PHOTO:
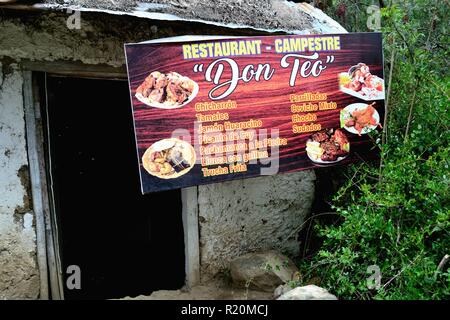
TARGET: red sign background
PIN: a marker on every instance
(268, 101)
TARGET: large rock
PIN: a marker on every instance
(311, 292)
(251, 215)
(282, 289)
(262, 271)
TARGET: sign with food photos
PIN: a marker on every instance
(215, 109)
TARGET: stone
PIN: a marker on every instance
(262, 271)
(282, 289)
(310, 292)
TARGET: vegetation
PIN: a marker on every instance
(394, 214)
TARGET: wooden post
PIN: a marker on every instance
(189, 197)
(35, 178)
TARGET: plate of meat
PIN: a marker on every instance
(328, 146)
(166, 91)
(360, 83)
(169, 158)
(360, 118)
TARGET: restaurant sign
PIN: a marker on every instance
(218, 109)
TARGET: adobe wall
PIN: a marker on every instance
(234, 217)
(19, 277)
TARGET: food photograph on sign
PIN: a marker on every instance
(219, 109)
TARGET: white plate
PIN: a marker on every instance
(348, 110)
(319, 161)
(379, 96)
(165, 105)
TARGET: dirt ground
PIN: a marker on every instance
(210, 291)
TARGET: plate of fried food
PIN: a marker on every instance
(360, 118)
(169, 158)
(166, 91)
(359, 82)
(328, 146)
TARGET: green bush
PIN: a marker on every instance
(395, 214)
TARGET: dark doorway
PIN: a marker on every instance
(125, 244)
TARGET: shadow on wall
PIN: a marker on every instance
(328, 182)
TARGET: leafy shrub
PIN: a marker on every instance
(395, 214)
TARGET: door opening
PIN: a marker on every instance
(125, 244)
